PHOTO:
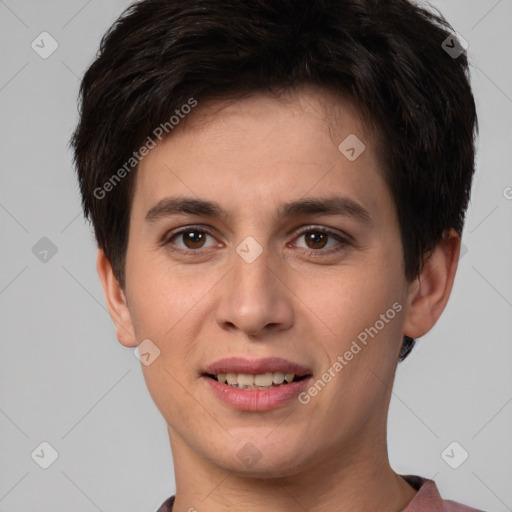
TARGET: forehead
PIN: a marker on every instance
(264, 149)
(306, 110)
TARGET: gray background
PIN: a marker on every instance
(67, 381)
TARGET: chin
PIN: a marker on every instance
(263, 460)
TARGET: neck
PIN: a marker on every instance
(358, 478)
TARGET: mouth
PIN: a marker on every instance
(256, 385)
(257, 374)
(260, 381)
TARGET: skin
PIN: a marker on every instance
(251, 156)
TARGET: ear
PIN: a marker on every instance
(429, 293)
(116, 301)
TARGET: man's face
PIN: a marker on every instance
(260, 283)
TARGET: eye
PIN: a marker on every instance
(317, 238)
(192, 237)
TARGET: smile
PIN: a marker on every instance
(260, 381)
(256, 384)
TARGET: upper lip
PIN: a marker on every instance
(255, 366)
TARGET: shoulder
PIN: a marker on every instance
(167, 505)
(428, 499)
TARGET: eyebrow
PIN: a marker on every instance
(335, 205)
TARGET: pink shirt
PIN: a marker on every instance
(427, 499)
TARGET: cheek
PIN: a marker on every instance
(163, 309)
(168, 307)
(350, 298)
(159, 297)
(362, 308)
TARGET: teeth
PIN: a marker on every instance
(264, 379)
(244, 379)
(232, 378)
(261, 381)
(278, 378)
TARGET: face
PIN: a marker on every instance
(300, 274)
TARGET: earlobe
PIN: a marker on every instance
(430, 292)
(116, 301)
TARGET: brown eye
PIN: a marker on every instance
(193, 239)
(316, 239)
(189, 239)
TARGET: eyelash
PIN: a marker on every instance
(310, 229)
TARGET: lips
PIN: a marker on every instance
(241, 365)
(256, 384)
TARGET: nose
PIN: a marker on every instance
(255, 298)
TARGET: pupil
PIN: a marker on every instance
(318, 238)
(192, 236)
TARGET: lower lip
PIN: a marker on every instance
(257, 400)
